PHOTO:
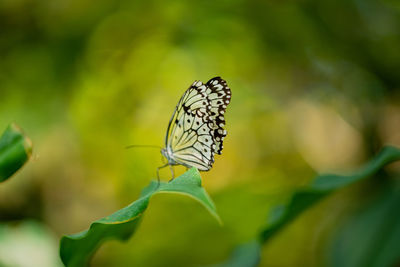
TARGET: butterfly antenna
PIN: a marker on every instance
(150, 146)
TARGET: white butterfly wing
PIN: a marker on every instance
(195, 131)
(189, 134)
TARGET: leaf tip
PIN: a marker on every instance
(27, 142)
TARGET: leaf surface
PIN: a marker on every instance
(77, 249)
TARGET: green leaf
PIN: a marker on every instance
(371, 237)
(322, 186)
(15, 150)
(77, 249)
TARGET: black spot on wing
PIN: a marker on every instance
(219, 98)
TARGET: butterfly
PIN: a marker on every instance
(196, 131)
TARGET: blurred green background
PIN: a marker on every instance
(315, 88)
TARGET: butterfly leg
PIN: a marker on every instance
(163, 159)
(172, 172)
(158, 172)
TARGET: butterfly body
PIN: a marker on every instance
(196, 131)
(167, 153)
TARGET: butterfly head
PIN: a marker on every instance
(164, 152)
(168, 155)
